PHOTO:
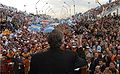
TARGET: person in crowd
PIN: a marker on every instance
(26, 63)
(4, 67)
(19, 66)
(94, 63)
(113, 68)
(97, 70)
(102, 65)
(107, 71)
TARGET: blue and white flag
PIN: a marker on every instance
(48, 29)
(34, 27)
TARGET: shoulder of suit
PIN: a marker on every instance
(70, 52)
(38, 54)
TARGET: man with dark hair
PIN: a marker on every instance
(55, 60)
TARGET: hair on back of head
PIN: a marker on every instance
(55, 38)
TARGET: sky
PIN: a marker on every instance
(55, 8)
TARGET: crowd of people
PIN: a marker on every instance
(96, 41)
(94, 12)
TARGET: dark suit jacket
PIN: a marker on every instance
(94, 63)
(55, 62)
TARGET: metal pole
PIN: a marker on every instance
(61, 13)
(43, 7)
(74, 6)
(53, 12)
(99, 3)
(89, 11)
(69, 7)
(25, 8)
(36, 6)
(66, 9)
(47, 9)
(117, 11)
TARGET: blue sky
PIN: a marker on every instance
(55, 6)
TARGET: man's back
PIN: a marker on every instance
(54, 62)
